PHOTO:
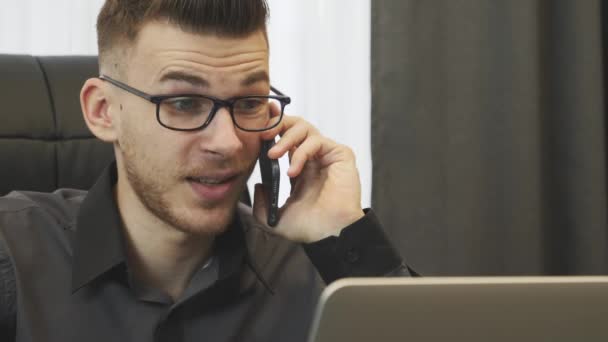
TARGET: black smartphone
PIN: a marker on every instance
(271, 175)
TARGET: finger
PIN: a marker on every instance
(284, 124)
(291, 139)
(322, 151)
(336, 153)
(294, 137)
(291, 152)
(308, 150)
(307, 184)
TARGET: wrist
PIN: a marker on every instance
(335, 227)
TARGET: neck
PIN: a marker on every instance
(159, 255)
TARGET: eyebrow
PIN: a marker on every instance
(196, 81)
(258, 76)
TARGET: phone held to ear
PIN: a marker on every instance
(271, 175)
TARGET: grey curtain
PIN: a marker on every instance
(489, 134)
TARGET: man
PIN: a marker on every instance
(159, 249)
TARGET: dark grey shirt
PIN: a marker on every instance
(64, 275)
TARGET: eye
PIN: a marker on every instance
(188, 105)
(250, 104)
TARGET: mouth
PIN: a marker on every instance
(210, 180)
(213, 187)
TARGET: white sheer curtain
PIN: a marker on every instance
(320, 56)
(48, 27)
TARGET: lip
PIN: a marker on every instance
(214, 192)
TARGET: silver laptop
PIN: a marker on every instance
(487, 309)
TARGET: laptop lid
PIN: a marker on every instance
(472, 309)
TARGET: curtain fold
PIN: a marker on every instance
(488, 135)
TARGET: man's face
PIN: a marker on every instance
(173, 173)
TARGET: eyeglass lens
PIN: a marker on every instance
(251, 113)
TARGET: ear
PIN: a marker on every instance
(95, 102)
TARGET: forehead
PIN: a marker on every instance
(163, 48)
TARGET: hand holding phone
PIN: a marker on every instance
(271, 175)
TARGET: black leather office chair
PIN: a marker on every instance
(44, 142)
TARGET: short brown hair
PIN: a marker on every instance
(119, 21)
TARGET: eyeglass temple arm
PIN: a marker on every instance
(148, 97)
(126, 87)
(276, 91)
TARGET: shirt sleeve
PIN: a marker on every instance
(361, 250)
(8, 296)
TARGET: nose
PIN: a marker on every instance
(221, 135)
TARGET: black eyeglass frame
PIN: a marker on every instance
(217, 104)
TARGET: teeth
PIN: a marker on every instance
(208, 180)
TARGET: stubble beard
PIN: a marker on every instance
(147, 185)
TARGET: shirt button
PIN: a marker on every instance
(352, 256)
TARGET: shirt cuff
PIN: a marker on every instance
(361, 250)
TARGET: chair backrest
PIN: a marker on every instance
(44, 142)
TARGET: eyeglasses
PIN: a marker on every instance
(191, 112)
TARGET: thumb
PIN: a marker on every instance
(260, 210)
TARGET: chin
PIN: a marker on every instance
(216, 221)
(204, 221)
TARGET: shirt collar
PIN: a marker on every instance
(100, 246)
(99, 243)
